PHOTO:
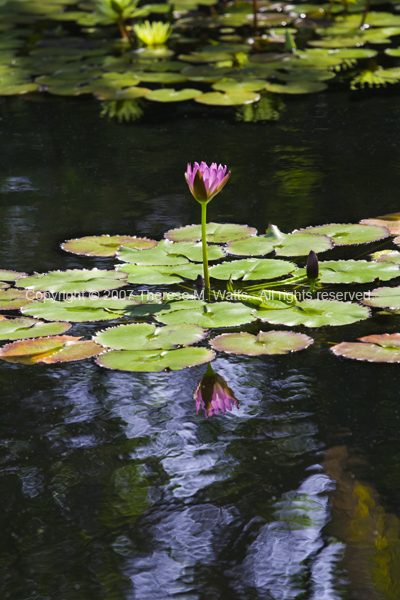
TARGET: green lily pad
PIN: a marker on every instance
(13, 299)
(143, 336)
(204, 74)
(130, 93)
(220, 314)
(194, 251)
(296, 87)
(295, 244)
(346, 234)
(105, 245)
(266, 342)
(356, 271)
(392, 51)
(389, 257)
(250, 85)
(18, 88)
(162, 254)
(161, 77)
(228, 99)
(4, 285)
(161, 274)
(218, 233)
(357, 53)
(315, 313)
(171, 95)
(206, 57)
(250, 269)
(385, 297)
(80, 310)
(155, 53)
(156, 360)
(6, 275)
(49, 350)
(373, 348)
(74, 281)
(21, 328)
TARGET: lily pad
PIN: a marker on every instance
(105, 245)
(228, 99)
(296, 87)
(14, 299)
(162, 254)
(385, 297)
(388, 257)
(266, 342)
(346, 234)
(295, 244)
(80, 310)
(218, 233)
(21, 328)
(130, 93)
(49, 350)
(171, 95)
(74, 281)
(356, 271)
(156, 360)
(391, 222)
(250, 269)
(207, 74)
(160, 274)
(220, 314)
(162, 77)
(315, 313)
(3, 285)
(373, 348)
(143, 336)
(249, 85)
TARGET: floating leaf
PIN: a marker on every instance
(143, 336)
(356, 271)
(388, 257)
(345, 234)
(250, 269)
(105, 245)
(218, 233)
(295, 244)
(171, 95)
(164, 78)
(266, 342)
(249, 85)
(228, 99)
(385, 297)
(373, 348)
(74, 281)
(3, 285)
(49, 350)
(296, 87)
(207, 74)
(160, 274)
(79, 310)
(162, 254)
(14, 299)
(391, 222)
(194, 251)
(21, 328)
(130, 93)
(315, 313)
(220, 314)
(155, 361)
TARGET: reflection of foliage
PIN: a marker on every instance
(116, 9)
(299, 176)
(131, 493)
(268, 108)
(123, 110)
(152, 34)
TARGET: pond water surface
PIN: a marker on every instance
(112, 488)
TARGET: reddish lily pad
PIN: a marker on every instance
(266, 342)
(49, 350)
(21, 328)
(156, 360)
(218, 233)
(75, 281)
(373, 348)
(391, 222)
(105, 245)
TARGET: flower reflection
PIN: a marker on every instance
(213, 394)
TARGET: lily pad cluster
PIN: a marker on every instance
(219, 54)
(162, 331)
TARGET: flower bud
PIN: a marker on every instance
(312, 265)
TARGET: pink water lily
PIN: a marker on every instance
(213, 394)
(205, 182)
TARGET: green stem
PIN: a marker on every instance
(204, 244)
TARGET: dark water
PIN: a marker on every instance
(111, 487)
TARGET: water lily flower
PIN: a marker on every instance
(205, 182)
(213, 394)
(153, 34)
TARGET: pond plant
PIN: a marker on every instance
(245, 297)
(245, 54)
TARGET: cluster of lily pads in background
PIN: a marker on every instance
(71, 48)
(178, 328)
